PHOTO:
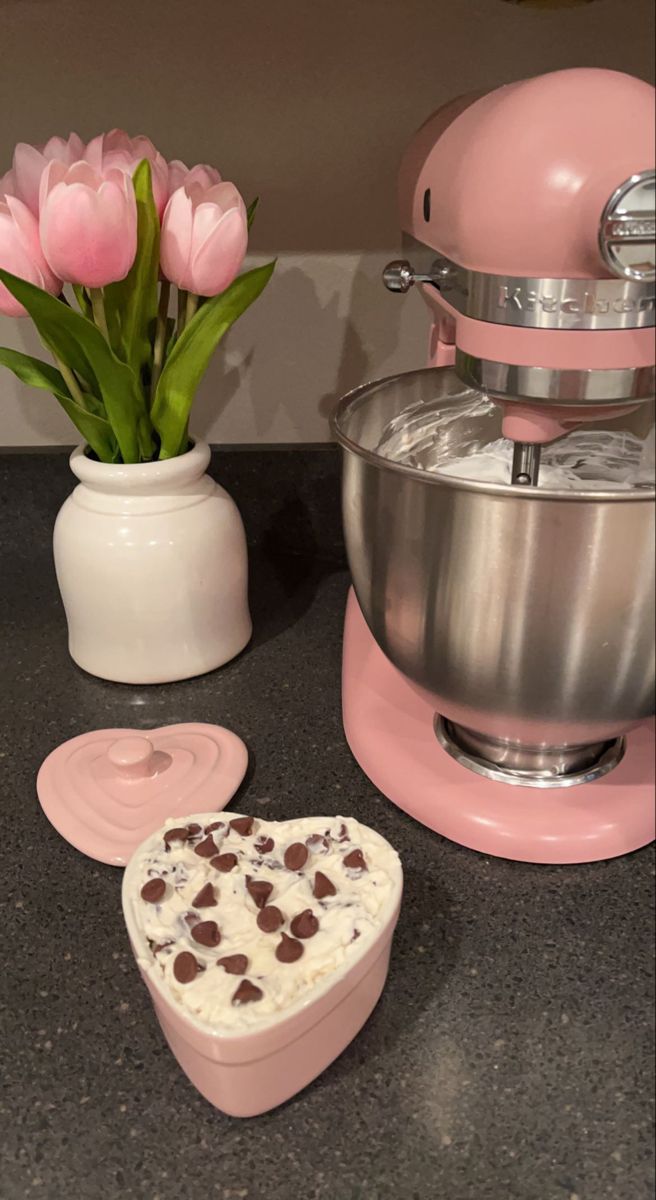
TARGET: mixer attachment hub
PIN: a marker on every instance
(526, 464)
(528, 766)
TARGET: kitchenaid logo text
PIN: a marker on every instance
(518, 299)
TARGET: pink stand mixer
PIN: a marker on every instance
(498, 676)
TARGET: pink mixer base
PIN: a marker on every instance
(389, 729)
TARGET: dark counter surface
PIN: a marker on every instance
(511, 1055)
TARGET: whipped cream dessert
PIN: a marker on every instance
(246, 919)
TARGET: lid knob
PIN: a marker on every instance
(132, 757)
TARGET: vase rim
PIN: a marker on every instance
(140, 477)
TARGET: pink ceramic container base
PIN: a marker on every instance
(245, 1073)
(389, 728)
(246, 1089)
(107, 790)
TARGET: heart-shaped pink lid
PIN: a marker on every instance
(107, 790)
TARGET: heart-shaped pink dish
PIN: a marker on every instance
(264, 945)
(107, 790)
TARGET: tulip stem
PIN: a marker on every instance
(71, 383)
(187, 305)
(182, 308)
(190, 307)
(161, 331)
(98, 309)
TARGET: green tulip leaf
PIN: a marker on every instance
(95, 430)
(131, 304)
(82, 297)
(77, 342)
(251, 210)
(170, 336)
(189, 357)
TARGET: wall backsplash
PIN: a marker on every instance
(310, 106)
(324, 325)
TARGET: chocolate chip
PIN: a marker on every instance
(206, 933)
(269, 919)
(323, 886)
(246, 993)
(207, 848)
(296, 856)
(191, 918)
(153, 890)
(185, 967)
(234, 964)
(215, 825)
(243, 825)
(356, 934)
(264, 845)
(205, 897)
(305, 924)
(179, 834)
(342, 834)
(193, 830)
(224, 862)
(317, 843)
(288, 949)
(355, 861)
(259, 890)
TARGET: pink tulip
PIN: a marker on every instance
(31, 161)
(88, 223)
(7, 184)
(21, 253)
(116, 150)
(204, 237)
(180, 173)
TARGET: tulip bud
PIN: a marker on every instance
(21, 253)
(204, 237)
(31, 161)
(180, 173)
(117, 151)
(88, 224)
(7, 184)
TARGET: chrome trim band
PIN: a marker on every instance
(527, 302)
(546, 776)
(507, 381)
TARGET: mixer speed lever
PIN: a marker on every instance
(400, 275)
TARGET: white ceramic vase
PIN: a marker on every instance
(152, 567)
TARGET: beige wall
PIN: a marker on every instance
(308, 103)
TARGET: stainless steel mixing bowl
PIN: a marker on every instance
(527, 615)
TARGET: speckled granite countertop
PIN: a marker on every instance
(511, 1055)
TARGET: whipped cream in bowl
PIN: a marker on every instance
(242, 927)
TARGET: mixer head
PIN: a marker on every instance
(528, 221)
